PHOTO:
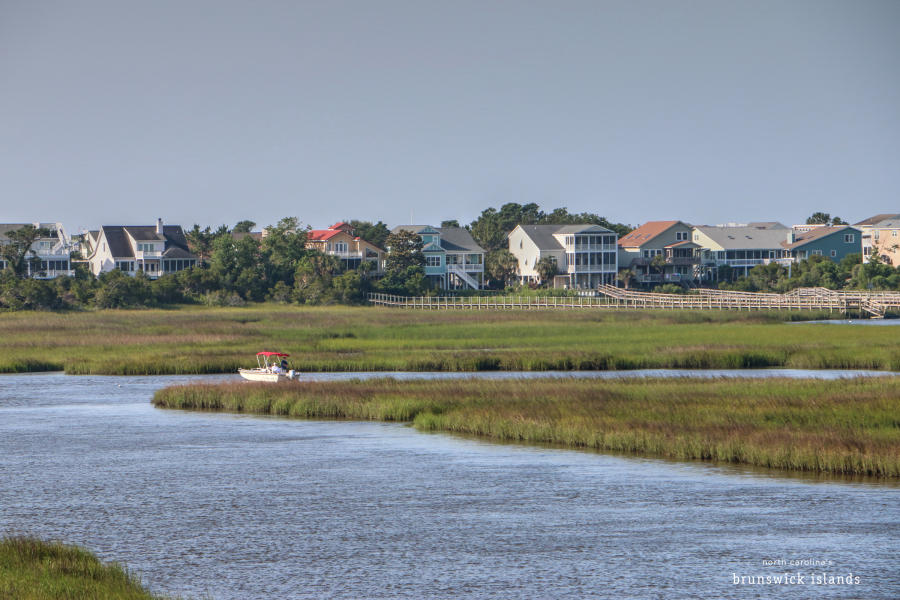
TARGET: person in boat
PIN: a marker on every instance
(284, 364)
(276, 368)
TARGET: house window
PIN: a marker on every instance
(432, 261)
(849, 238)
(817, 252)
(894, 233)
(681, 236)
(833, 253)
(696, 237)
(520, 244)
(340, 247)
(876, 234)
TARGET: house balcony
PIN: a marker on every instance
(578, 269)
(144, 255)
(345, 255)
(748, 262)
(468, 268)
(648, 278)
(54, 273)
(592, 248)
(683, 261)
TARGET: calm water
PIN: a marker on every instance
(249, 507)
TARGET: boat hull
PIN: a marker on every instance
(258, 375)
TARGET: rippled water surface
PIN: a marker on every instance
(241, 507)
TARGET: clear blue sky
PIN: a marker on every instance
(210, 112)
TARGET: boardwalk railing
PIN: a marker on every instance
(875, 304)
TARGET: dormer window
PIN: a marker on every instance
(681, 236)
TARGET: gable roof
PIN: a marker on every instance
(320, 235)
(647, 232)
(544, 238)
(817, 233)
(878, 219)
(457, 239)
(745, 238)
(172, 235)
(7, 227)
(581, 228)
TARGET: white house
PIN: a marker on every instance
(155, 250)
(585, 255)
(52, 251)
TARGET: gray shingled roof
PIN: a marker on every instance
(7, 227)
(542, 235)
(453, 239)
(457, 239)
(746, 238)
(172, 234)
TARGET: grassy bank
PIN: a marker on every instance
(32, 569)
(204, 340)
(849, 426)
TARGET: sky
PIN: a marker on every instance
(210, 112)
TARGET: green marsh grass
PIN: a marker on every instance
(194, 340)
(846, 426)
(32, 569)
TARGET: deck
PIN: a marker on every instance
(872, 304)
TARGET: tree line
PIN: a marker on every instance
(235, 268)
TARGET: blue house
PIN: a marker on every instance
(452, 258)
(831, 242)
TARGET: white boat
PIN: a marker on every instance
(272, 368)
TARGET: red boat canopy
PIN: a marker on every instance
(271, 354)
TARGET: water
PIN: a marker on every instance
(853, 322)
(246, 507)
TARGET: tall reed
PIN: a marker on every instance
(33, 569)
(848, 426)
(203, 340)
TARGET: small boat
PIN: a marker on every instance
(272, 368)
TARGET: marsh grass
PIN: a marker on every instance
(848, 426)
(32, 569)
(195, 340)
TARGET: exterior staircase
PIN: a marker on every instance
(463, 276)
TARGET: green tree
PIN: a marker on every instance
(200, 242)
(244, 226)
(626, 276)
(282, 249)
(405, 251)
(17, 252)
(450, 223)
(546, 268)
(501, 266)
(376, 234)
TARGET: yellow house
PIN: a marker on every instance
(881, 236)
(339, 241)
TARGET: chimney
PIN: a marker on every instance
(790, 236)
(159, 226)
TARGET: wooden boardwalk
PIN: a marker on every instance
(873, 304)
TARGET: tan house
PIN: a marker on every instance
(881, 237)
(670, 240)
(339, 241)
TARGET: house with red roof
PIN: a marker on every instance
(339, 241)
(671, 241)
